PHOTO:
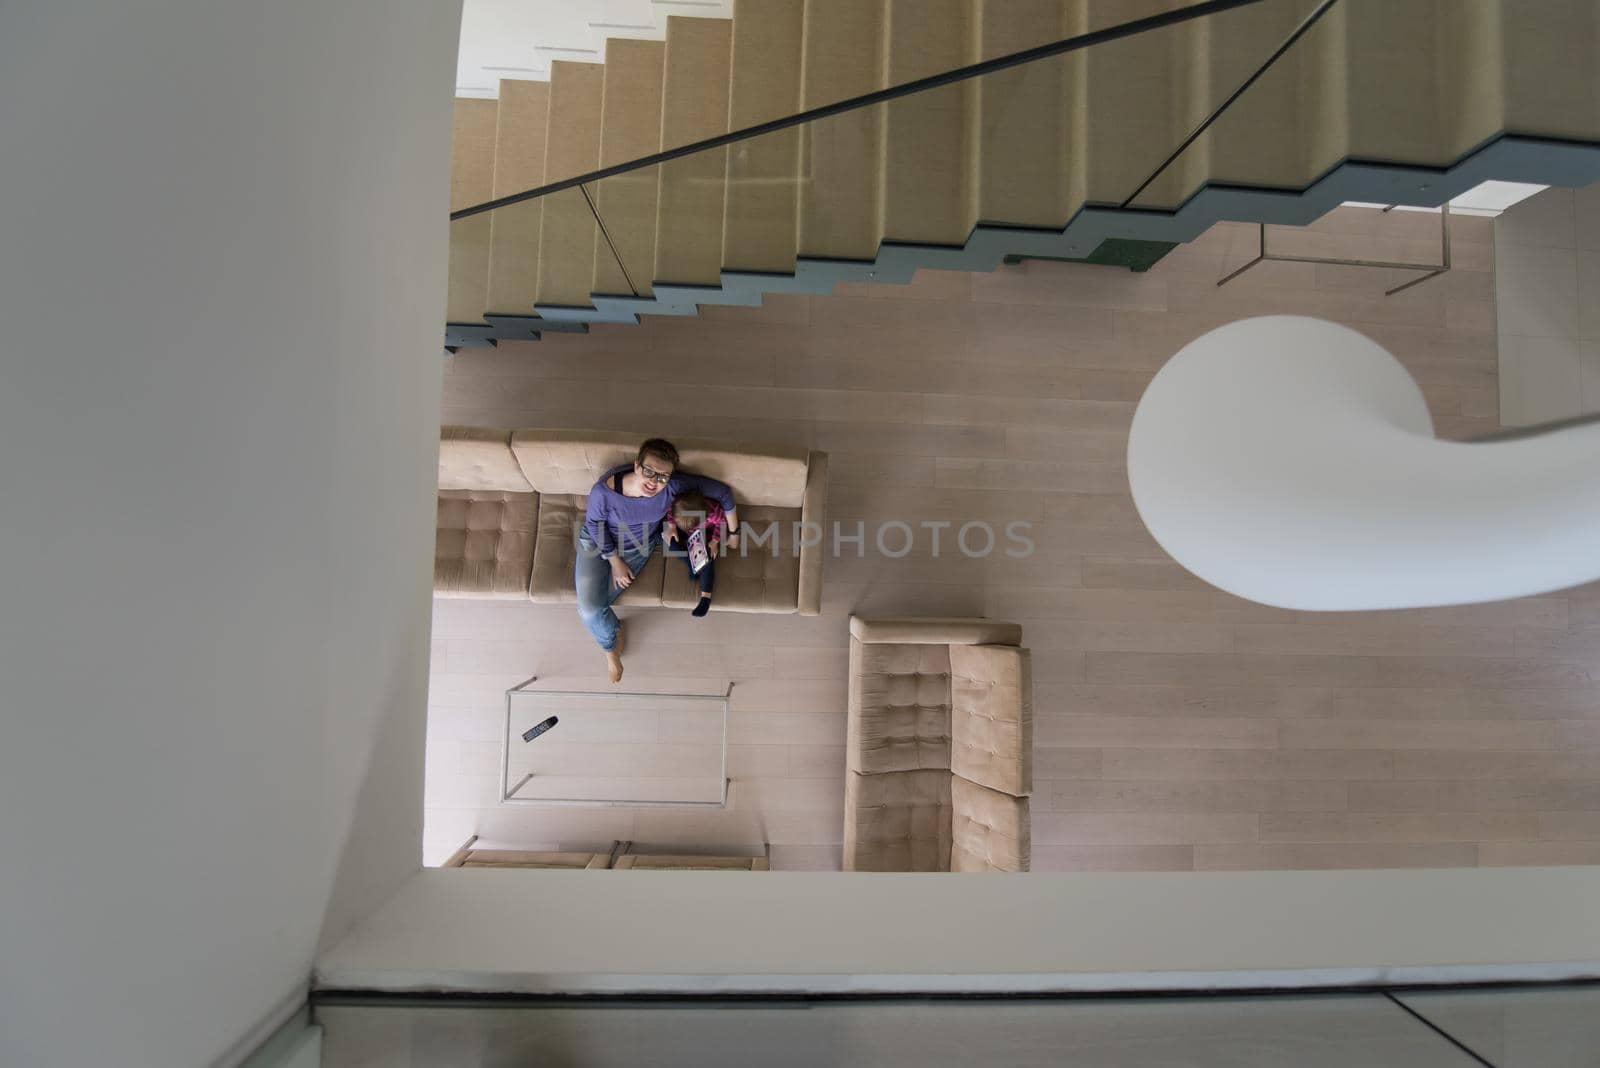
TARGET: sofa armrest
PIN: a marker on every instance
(814, 511)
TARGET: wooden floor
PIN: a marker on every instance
(1177, 727)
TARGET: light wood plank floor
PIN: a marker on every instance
(1178, 727)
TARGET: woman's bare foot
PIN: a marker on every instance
(614, 656)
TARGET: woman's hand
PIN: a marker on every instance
(733, 540)
(621, 573)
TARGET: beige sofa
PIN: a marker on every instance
(510, 503)
(939, 753)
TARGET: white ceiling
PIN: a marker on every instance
(518, 38)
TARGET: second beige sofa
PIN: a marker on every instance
(510, 504)
(939, 750)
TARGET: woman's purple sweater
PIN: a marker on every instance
(614, 520)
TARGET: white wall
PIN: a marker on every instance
(1547, 306)
(297, 1044)
(518, 38)
(222, 254)
(799, 932)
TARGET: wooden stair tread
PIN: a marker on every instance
(1473, 64)
(1543, 67)
(1027, 166)
(471, 182)
(1261, 139)
(518, 166)
(1136, 97)
(763, 173)
(694, 106)
(841, 158)
(930, 139)
(567, 228)
(1397, 102)
(630, 127)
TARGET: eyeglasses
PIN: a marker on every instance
(652, 475)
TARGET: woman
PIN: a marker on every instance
(622, 530)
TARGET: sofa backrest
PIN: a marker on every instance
(934, 630)
(989, 829)
(570, 461)
(991, 717)
(479, 458)
(772, 475)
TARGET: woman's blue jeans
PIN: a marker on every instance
(596, 591)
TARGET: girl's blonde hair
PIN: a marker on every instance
(689, 504)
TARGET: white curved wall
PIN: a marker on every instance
(222, 257)
(1292, 461)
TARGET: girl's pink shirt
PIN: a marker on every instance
(715, 522)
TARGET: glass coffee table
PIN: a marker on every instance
(570, 746)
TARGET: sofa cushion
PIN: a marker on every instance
(571, 461)
(989, 830)
(477, 458)
(899, 821)
(899, 718)
(555, 556)
(936, 630)
(484, 542)
(773, 475)
(556, 552)
(991, 716)
(750, 579)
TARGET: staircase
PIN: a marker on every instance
(1393, 101)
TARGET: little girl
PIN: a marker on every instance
(698, 526)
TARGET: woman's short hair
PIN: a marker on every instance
(661, 449)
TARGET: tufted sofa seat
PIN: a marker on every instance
(511, 503)
(939, 753)
(486, 522)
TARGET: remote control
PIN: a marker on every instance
(537, 729)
